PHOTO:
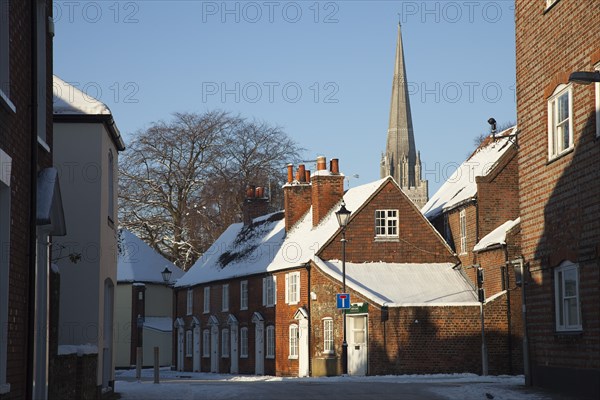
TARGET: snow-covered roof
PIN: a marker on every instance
(497, 236)
(461, 186)
(70, 100)
(264, 245)
(397, 285)
(138, 262)
(162, 324)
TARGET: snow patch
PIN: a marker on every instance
(497, 236)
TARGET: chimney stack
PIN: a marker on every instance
(327, 188)
(255, 204)
(297, 195)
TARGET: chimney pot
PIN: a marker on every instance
(307, 176)
(301, 173)
(290, 173)
(250, 192)
(321, 163)
(260, 192)
(334, 166)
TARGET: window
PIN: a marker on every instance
(5, 59)
(386, 223)
(244, 342)
(5, 173)
(188, 344)
(243, 295)
(463, 231)
(598, 105)
(206, 343)
(328, 335)
(293, 341)
(225, 298)
(292, 288)
(225, 343)
(560, 123)
(111, 186)
(566, 292)
(190, 301)
(269, 291)
(206, 300)
(270, 342)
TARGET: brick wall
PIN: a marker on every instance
(559, 199)
(418, 242)
(74, 377)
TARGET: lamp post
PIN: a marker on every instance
(584, 77)
(343, 215)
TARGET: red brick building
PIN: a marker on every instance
(30, 206)
(477, 210)
(559, 185)
(262, 299)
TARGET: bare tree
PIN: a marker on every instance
(182, 182)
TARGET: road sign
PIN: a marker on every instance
(343, 300)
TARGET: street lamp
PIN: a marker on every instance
(166, 275)
(343, 215)
(584, 77)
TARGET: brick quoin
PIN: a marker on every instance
(559, 198)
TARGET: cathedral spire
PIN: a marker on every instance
(400, 146)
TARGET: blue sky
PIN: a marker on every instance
(322, 70)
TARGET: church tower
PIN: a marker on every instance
(401, 159)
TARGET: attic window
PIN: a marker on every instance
(386, 224)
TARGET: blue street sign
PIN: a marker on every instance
(343, 300)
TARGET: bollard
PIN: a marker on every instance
(156, 377)
(138, 364)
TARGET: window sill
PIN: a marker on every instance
(573, 332)
(560, 155)
(292, 357)
(387, 239)
(246, 356)
(328, 353)
(10, 107)
(5, 387)
(243, 308)
(224, 357)
(188, 356)
(270, 357)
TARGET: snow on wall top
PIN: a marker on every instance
(264, 246)
(497, 236)
(398, 285)
(461, 185)
(138, 262)
(69, 100)
(161, 324)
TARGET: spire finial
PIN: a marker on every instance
(399, 19)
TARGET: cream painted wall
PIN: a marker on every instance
(123, 326)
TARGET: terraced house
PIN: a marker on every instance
(262, 299)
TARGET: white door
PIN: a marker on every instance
(259, 348)
(303, 348)
(233, 333)
(180, 349)
(196, 349)
(214, 349)
(357, 344)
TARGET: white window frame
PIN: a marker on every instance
(5, 58)
(292, 288)
(190, 302)
(243, 295)
(225, 343)
(5, 218)
(269, 291)
(206, 305)
(293, 342)
(270, 342)
(562, 299)
(244, 342)
(225, 297)
(555, 148)
(189, 344)
(462, 219)
(386, 224)
(328, 338)
(206, 343)
(597, 84)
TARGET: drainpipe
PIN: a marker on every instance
(506, 279)
(32, 207)
(308, 269)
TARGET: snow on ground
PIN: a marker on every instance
(187, 385)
